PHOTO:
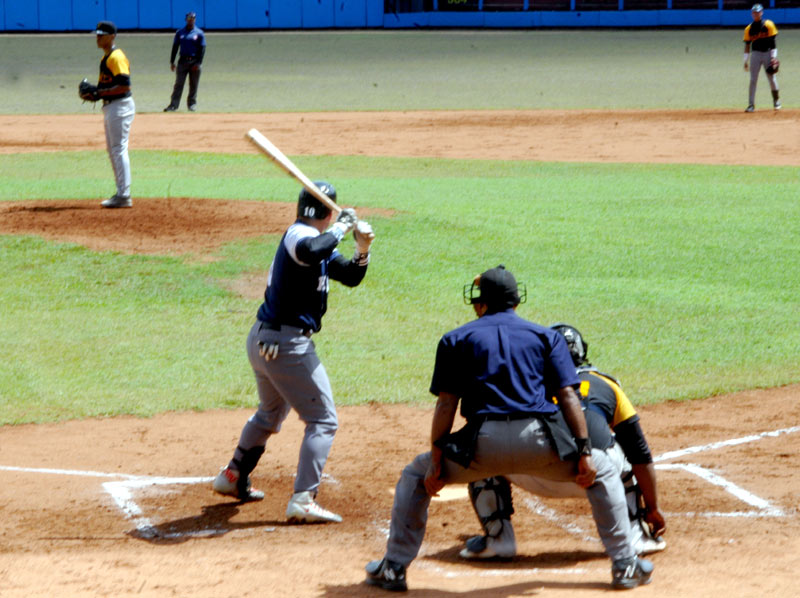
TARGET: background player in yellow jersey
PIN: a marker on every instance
(606, 407)
(114, 89)
(760, 37)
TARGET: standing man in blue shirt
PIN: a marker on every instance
(503, 370)
(192, 44)
(289, 375)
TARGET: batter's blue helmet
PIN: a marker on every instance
(309, 206)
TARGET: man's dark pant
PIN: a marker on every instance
(181, 70)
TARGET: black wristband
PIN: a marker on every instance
(584, 446)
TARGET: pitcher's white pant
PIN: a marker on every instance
(117, 119)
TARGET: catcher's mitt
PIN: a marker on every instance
(87, 91)
(773, 67)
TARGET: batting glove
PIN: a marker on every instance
(344, 223)
(364, 236)
(268, 351)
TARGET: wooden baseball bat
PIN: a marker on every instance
(285, 164)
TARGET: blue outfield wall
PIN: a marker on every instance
(82, 15)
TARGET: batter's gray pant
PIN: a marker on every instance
(295, 380)
(117, 119)
(503, 448)
(757, 60)
(183, 69)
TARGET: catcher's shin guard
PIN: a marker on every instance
(491, 499)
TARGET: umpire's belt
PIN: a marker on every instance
(503, 417)
(292, 329)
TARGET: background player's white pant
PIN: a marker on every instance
(117, 119)
(757, 60)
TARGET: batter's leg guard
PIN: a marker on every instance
(246, 464)
(491, 499)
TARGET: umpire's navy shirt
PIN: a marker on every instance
(502, 364)
(191, 41)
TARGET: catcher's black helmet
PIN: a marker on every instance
(578, 347)
(309, 206)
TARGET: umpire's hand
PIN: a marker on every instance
(586, 472)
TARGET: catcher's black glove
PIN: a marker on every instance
(87, 91)
(773, 67)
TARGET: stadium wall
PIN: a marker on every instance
(148, 15)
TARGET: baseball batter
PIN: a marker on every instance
(503, 370)
(289, 375)
(607, 404)
(114, 89)
(759, 36)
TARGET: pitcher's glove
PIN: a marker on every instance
(88, 92)
(773, 67)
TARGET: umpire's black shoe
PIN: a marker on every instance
(192, 108)
(630, 573)
(170, 108)
(387, 574)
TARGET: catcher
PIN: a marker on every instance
(114, 90)
(760, 36)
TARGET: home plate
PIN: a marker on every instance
(454, 492)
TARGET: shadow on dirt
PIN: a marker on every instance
(213, 522)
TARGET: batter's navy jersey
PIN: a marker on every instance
(297, 293)
(503, 364)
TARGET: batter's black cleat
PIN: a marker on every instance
(170, 108)
(115, 201)
(630, 573)
(750, 108)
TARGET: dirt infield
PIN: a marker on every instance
(122, 507)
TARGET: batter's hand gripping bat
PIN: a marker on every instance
(285, 164)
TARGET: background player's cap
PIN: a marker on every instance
(191, 15)
(106, 28)
(757, 8)
(496, 288)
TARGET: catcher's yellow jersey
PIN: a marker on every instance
(761, 34)
(607, 397)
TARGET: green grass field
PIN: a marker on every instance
(683, 278)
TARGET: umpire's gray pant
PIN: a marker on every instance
(757, 60)
(117, 119)
(508, 447)
(295, 380)
(193, 70)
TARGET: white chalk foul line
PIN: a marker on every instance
(73, 472)
(724, 443)
(767, 509)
